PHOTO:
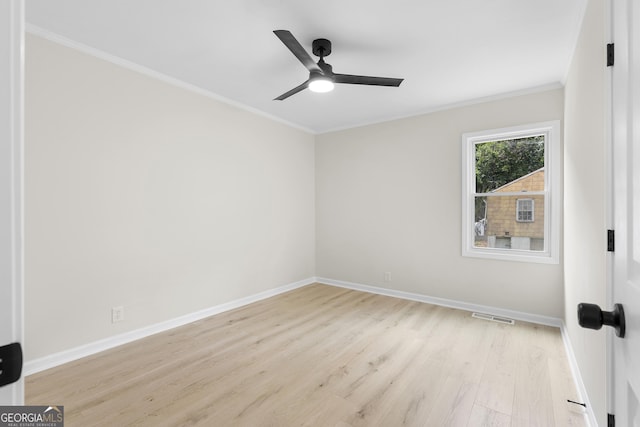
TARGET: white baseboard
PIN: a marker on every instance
(501, 312)
(53, 360)
(577, 377)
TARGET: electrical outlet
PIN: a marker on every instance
(387, 276)
(117, 314)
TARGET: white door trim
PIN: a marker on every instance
(11, 183)
(609, 217)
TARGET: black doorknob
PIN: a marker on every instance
(592, 317)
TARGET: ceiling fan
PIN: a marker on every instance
(321, 75)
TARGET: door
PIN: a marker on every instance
(625, 395)
(11, 131)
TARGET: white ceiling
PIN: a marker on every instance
(448, 51)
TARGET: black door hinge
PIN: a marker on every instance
(611, 420)
(610, 55)
(611, 240)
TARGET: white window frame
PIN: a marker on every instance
(552, 194)
(519, 209)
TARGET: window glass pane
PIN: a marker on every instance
(503, 163)
(510, 166)
(496, 224)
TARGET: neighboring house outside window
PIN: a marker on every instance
(510, 222)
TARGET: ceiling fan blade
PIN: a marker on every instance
(296, 48)
(292, 91)
(366, 80)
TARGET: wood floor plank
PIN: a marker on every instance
(323, 356)
(419, 396)
(533, 404)
(485, 417)
(497, 385)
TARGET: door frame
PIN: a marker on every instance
(609, 213)
(12, 184)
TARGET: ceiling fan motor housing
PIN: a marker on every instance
(321, 47)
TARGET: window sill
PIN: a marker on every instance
(512, 255)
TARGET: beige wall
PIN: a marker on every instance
(145, 195)
(388, 199)
(585, 199)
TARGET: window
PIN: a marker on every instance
(510, 195)
(524, 210)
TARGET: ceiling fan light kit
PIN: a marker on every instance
(321, 75)
(320, 84)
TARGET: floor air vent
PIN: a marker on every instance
(493, 318)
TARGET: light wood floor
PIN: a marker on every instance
(323, 356)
